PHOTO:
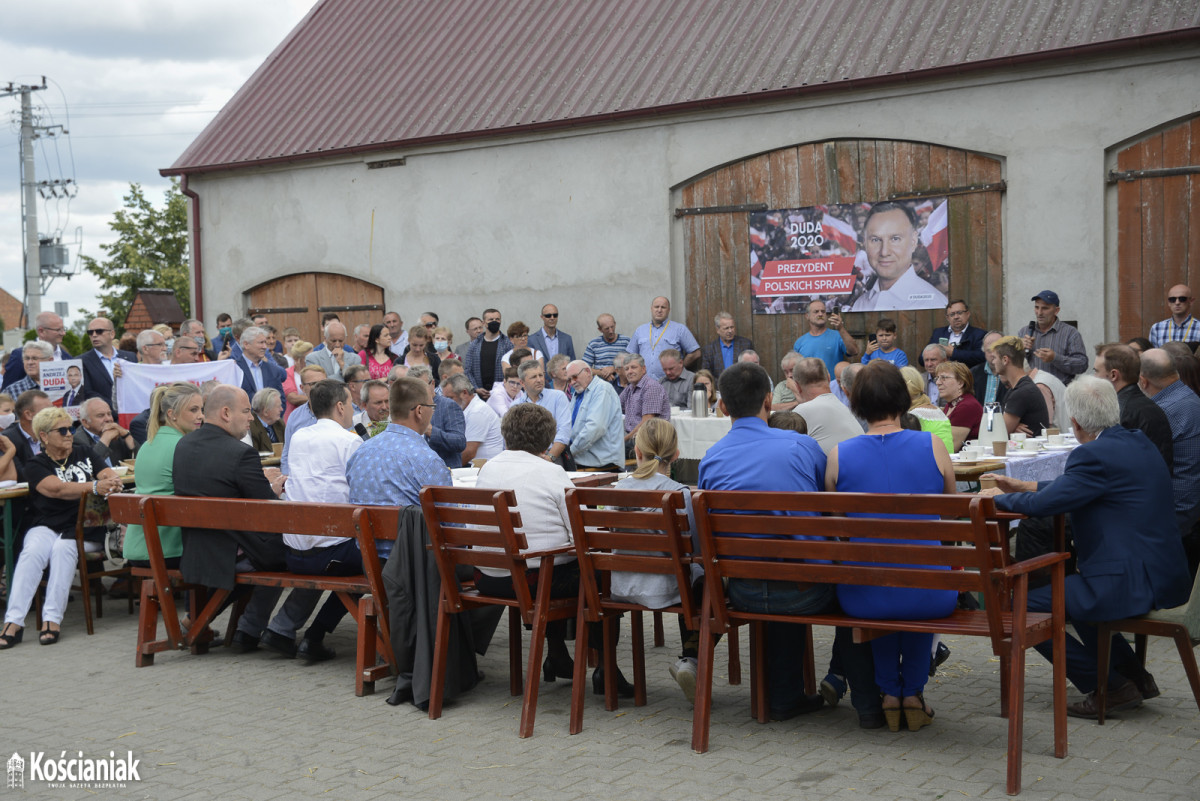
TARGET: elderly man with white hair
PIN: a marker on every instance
(931, 357)
(259, 371)
(108, 441)
(49, 327)
(32, 356)
(597, 422)
(1117, 490)
(332, 358)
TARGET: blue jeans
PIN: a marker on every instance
(786, 641)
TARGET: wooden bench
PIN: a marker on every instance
(159, 585)
(968, 532)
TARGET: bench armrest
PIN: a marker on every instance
(562, 549)
(1030, 565)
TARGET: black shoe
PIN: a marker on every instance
(1142, 679)
(312, 651)
(244, 643)
(939, 656)
(554, 668)
(279, 644)
(871, 720)
(624, 688)
(811, 703)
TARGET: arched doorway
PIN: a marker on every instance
(714, 209)
(1158, 223)
(299, 300)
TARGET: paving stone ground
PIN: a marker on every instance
(261, 727)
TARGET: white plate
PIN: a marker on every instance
(1022, 453)
(1063, 447)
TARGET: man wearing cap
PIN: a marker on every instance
(1181, 326)
(1056, 346)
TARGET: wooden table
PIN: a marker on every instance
(971, 471)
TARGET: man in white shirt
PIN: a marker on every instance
(890, 238)
(319, 454)
(829, 421)
(483, 426)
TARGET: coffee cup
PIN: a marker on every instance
(1030, 445)
(1000, 447)
(987, 483)
(277, 448)
(1018, 437)
(1056, 439)
(1050, 432)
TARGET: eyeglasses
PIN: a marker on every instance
(62, 432)
(431, 325)
(33, 357)
(573, 376)
(428, 405)
(58, 330)
(95, 332)
(1179, 300)
(940, 378)
(550, 315)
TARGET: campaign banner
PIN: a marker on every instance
(137, 381)
(63, 382)
(870, 257)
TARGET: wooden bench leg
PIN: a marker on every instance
(1187, 656)
(759, 704)
(1016, 716)
(514, 651)
(639, 657)
(579, 680)
(810, 663)
(365, 656)
(735, 656)
(658, 630)
(537, 645)
(704, 670)
(441, 645)
(147, 624)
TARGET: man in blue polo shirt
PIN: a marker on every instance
(755, 457)
(652, 338)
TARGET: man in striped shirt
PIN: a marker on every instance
(1181, 326)
(601, 351)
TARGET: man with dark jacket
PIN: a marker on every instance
(964, 342)
(1121, 365)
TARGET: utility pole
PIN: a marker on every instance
(33, 264)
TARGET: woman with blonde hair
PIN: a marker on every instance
(656, 447)
(291, 386)
(933, 419)
(175, 409)
(58, 477)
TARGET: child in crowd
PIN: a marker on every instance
(884, 344)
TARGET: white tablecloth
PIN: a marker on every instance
(1046, 466)
(697, 434)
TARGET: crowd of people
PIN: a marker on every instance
(373, 414)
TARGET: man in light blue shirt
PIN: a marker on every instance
(533, 378)
(597, 422)
(391, 467)
(660, 334)
(301, 416)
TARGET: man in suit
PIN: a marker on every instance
(1121, 365)
(266, 427)
(213, 462)
(49, 329)
(723, 351)
(1117, 491)
(988, 386)
(97, 430)
(99, 361)
(548, 339)
(258, 370)
(20, 433)
(964, 342)
(333, 358)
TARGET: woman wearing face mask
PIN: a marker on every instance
(443, 343)
(8, 411)
(377, 357)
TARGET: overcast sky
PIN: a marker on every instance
(134, 82)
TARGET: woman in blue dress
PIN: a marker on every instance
(891, 459)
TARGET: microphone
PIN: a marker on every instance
(1029, 351)
(361, 430)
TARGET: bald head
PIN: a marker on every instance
(1179, 301)
(1158, 371)
(228, 408)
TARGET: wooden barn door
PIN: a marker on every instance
(1158, 223)
(714, 210)
(299, 301)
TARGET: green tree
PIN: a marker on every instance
(150, 251)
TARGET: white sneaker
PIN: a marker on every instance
(684, 673)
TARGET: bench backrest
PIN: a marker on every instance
(476, 527)
(649, 528)
(753, 535)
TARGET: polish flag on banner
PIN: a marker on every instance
(839, 231)
(137, 381)
(935, 237)
(757, 237)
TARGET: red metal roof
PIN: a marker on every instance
(360, 75)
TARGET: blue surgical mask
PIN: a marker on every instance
(440, 345)
(226, 331)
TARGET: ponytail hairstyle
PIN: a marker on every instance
(657, 441)
(167, 397)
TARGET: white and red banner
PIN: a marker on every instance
(137, 381)
(885, 256)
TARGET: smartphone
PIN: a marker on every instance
(835, 309)
(871, 338)
(943, 341)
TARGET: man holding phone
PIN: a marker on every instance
(962, 341)
(826, 339)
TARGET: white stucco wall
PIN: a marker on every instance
(583, 218)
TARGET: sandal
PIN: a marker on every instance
(8, 639)
(49, 636)
(892, 715)
(917, 716)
